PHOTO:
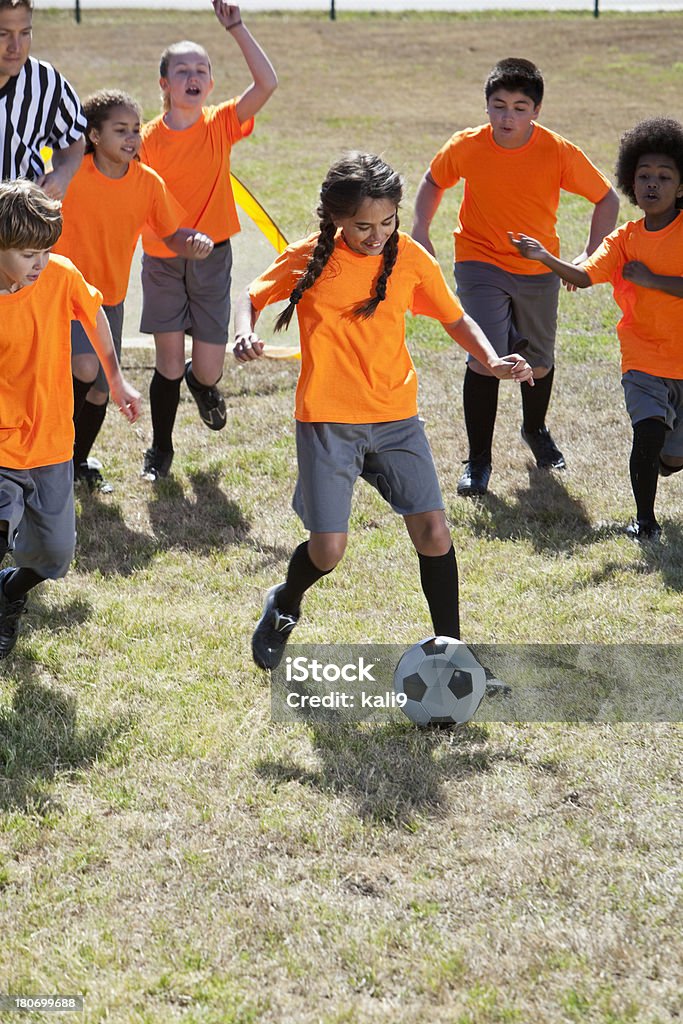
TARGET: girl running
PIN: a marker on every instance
(356, 401)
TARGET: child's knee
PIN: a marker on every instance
(326, 550)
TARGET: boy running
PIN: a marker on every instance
(514, 169)
(40, 295)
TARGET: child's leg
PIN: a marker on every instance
(310, 562)
(438, 569)
(164, 389)
(202, 375)
(88, 421)
(648, 441)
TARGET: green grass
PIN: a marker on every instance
(174, 855)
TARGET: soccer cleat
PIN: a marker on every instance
(475, 479)
(272, 632)
(156, 464)
(210, 402)
(545, 451)
(644, 529)
(10, 613)
(90, 473)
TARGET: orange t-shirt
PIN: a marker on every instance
(103, 218)
(650, 328)
(355, 370)
(512, 190)
(36, 389)
(195, 164)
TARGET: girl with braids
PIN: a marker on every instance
(110, 199)
(356, 401)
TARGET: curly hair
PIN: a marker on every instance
(28, 218)
(99, 106)
(656, 135)
(354, 178)
(515, 74)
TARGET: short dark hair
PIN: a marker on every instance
(28, 218)
(98, 107)
(6, 5)
(655, 135)
(515, 74)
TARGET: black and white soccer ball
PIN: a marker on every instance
(442, 681)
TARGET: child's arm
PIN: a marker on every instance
(123, 394)
(640, 274)
(264, 78)
(190, 244)
(469, 335)
(427, 201)
(248, 345)
(533, 250)
(603, 222)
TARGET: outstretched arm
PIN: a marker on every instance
(533, 250)
(427, 200)
(248, 345)
(264, 78)
(469, 335)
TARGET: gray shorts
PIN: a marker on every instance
(38, 504)
(516, 312)
(394, 457)
(648, 397)
(188, 295)
(80, 342)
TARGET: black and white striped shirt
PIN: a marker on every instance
(38, 108)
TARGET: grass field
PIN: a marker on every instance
(174, 855)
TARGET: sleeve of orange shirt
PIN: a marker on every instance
(606, 261)
(433, 297)
(227, 112)
(582, 177)
(277, 282)
(166, 214)
(85, 298)
(444, 167)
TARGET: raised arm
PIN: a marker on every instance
(533, 250)
(65, 163)
(264, 81)
(467, 333)
(427, 201)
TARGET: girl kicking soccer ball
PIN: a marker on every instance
(643, 261)
(356, 401)
(109, 201)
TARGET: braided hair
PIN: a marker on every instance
(354, 178)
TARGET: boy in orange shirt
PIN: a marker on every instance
(189, 145)
(514, 169)
(356, 401)
(643, 260)
(40, 295)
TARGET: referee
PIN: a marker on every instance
(38, 108)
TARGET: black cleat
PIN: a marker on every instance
(643, 530)
(10, 613)
(544, 449)
(475, 478)
(272, 632)
(90, 472)
(210, 401)
(156, 464)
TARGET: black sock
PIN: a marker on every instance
(648, 441)
(164, 396)
(301, 575)
(87, 424)
(193, 384)
(4, 544)
(81, 389)
(535, 402)
(439, 579)
(480, 404)
(20, 582)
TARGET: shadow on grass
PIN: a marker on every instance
(207, 522)
(392, 772)
(41, 739)
(664, 558)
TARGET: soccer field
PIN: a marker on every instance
(169, 851)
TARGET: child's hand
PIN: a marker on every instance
(127, 399)
(247, 347)
(199, 246)
(527, 247)
(638, 273)
(513, 367)
(228, 14)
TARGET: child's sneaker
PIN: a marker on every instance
(644, 529)
(210, 402)
(272, 632)
(156, 464)
(544, 449)
(90, 472)
(10, 613)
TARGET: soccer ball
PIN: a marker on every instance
(442, 680)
